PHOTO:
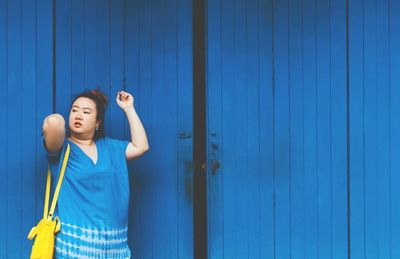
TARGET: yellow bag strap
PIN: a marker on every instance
(46, 200)
(60, 178)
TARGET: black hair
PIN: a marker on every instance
(101, 101)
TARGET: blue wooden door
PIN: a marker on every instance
(277, 129)
(143, 47)
(303, 129)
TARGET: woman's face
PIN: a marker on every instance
(82, 118)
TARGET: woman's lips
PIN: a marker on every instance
(77, 124)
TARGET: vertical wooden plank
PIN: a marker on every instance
(339, 128)
(63, 63)
(101, 62)
(91, 44)
(28, 124)
(169, 92)
(383, 129)
(116, 69)
(215, 114)
(130, 11)
(394, 77)
(184, 56)
(266, 145)
(131, 73)
(370, 107)
(3, 127)
(241, 182)
(161, 246)
(324, 117)
(310, 129)
(296, 130)
(157, 81)
(253, 130)
(14, 130)
(145, 55)
(281, 131)
(228, 122)
(356, 113)
(77, 51)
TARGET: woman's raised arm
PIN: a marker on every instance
(54, 132)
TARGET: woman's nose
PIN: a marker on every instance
(78, 115)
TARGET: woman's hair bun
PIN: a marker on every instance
(100, 96)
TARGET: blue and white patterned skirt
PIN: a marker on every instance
(89, 242)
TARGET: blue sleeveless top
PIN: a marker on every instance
(93, 201)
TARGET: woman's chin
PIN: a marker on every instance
(77, 131)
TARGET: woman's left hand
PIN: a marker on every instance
(124, 100)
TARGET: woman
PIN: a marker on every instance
(94, 195)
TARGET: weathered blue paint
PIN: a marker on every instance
(278, 110)
(284, 134)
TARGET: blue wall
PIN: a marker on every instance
(302, 107)
(26, 86)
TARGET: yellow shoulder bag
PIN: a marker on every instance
(45, 230)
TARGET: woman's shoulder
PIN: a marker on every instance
(110, 139)
(115, 143)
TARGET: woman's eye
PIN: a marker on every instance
(87, 112)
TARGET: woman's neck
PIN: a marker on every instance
(85, 142)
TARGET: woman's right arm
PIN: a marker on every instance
(54, 132)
